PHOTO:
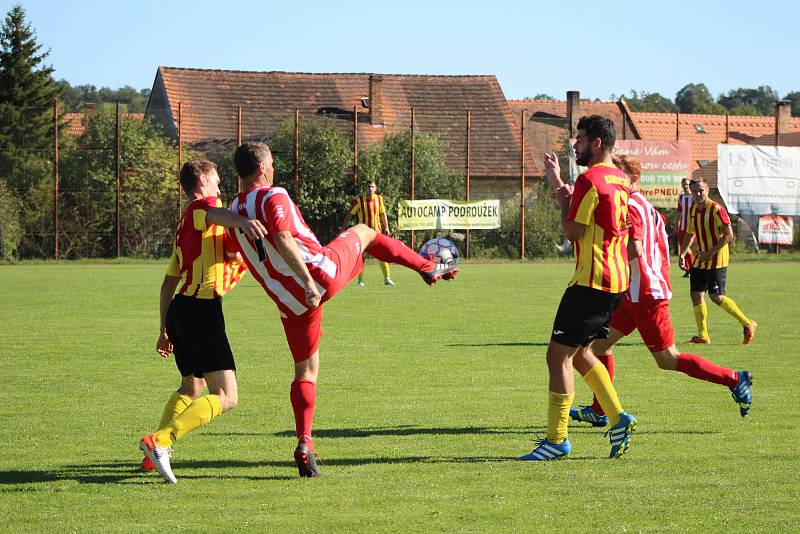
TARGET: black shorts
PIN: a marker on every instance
(711, 280)
(196, 328)
(583, 315)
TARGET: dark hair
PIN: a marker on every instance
(599, 127)
(192, 170)
(248, 156)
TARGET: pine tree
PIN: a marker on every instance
(27, 93)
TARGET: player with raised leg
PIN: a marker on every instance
(299, 275)
(646, 307)
(594, 217)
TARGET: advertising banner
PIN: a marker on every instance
(775, 230)
(760, 180)
(437, 214)
(664, 165)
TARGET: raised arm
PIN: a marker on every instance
(253, 228)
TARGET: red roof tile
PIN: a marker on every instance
(209, 100)
(546, 127)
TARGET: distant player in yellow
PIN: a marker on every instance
(202, 269)
(370, 210)
(710, 226)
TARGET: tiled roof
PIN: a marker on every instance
(546, 128)
(209, 100)
(716, 129)
(786, 139)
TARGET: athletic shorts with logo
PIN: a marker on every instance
(711, 280)
(650, 317)
(583, 315)
(303, 332)
(196, 328)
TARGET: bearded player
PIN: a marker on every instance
(646, 307)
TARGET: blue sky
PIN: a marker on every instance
(598, 48)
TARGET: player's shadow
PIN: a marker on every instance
(410, 430)
(527, 344)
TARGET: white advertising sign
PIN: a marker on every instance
(760, 180)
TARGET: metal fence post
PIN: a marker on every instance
(117, 170)
(238, 142)
(355, 149)
(296, 153)
(180, 154)
(522, 185)
(469, 160)
(413, 159)
(55, 176)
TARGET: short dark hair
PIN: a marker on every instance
(599, 127)
(192, 170)
(248, 157)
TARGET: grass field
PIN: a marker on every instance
(425, 397)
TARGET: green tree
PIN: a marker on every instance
(696, 98)
(326, 158)
(388, 163)
(27, 93)
(10, 227)
(652, 102)
(539, 96)
(794, 98)
(148, 204)
(76, 97)
(742, 101)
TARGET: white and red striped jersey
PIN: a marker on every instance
(650, 271)
(276, 211)
(684, 205)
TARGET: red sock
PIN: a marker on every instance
(702, 369)
(608, 361)
(384, 248)
(303, 395)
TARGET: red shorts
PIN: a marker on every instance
(303, 332)
(652, 319)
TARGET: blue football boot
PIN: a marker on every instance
(586, 414)
(620, 434)
(548, 451)
(741, 391)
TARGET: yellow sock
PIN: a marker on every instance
(701, 318)
(175, 406)
(600, 383)
(730, 306)
(558, 416)
(387, 272)
(199, 413)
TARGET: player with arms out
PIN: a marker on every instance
(646, 307)
(299, 275)
(369, 209)
(594, 217)
(204, 266)
(710, 226)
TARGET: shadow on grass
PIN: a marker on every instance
(411, 430)
(528, 344)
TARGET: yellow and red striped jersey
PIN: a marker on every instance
(707, 224)
(600, 202)
(369, 210)
(198, 254)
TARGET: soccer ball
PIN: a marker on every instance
(440, 250)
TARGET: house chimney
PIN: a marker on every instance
(376, 100)
(573, 112)
(783, 114)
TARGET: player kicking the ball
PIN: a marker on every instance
(646, 307)
(300, 274)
